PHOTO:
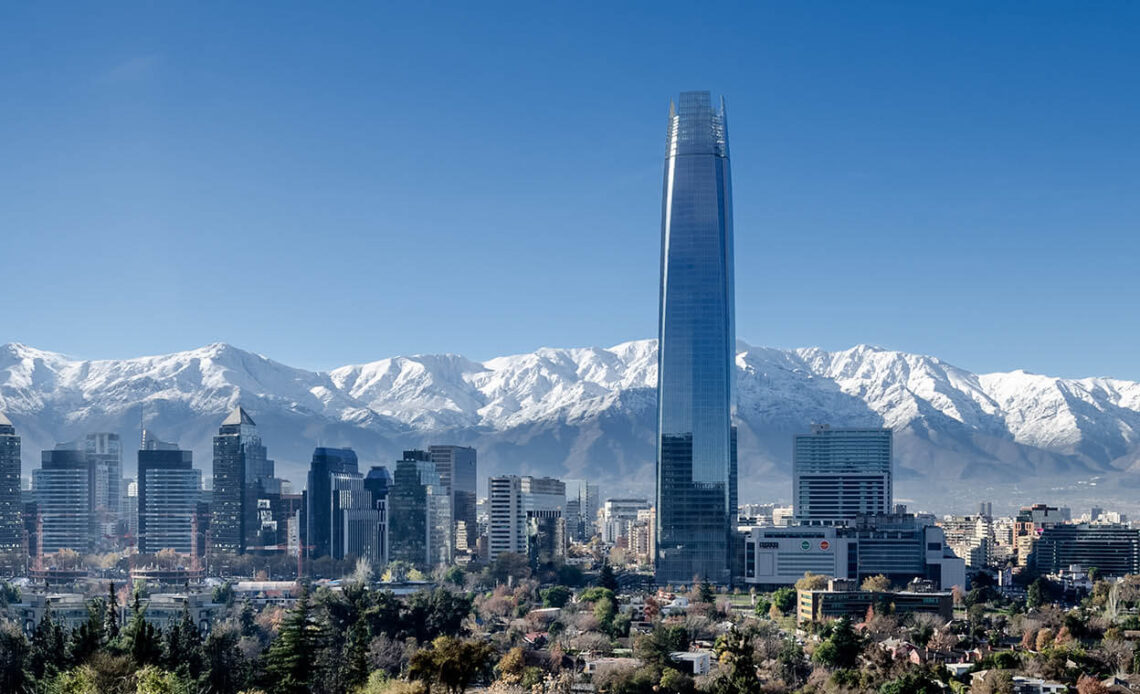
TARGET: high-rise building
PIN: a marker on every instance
(321, 530)
(106, 453)
(696, 442)
(456, 466)
(1112, 549)
(840, 474)
(65, 496)
(582, 505)
(241, 470)
(527, 517)
(419, 512)
(378, 483)
(618, 515)
(11, 497)
(167, 497)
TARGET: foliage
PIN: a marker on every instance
(841, 648)
(291, 657)
(451, 662)
(876, 584)
(736, 654)
(914, 682)
(556, 596)
(811, 581)
(784, 599)
(607, 579)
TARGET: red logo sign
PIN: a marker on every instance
(824, 545)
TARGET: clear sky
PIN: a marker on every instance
(331, 185)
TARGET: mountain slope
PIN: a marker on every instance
(589, 411)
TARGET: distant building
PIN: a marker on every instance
(11, 499)
(65, 495)
(342, 518)
(618, 516)
(378, 484)
(1113, 549)
(822, 605)
(899, 547)
(322, 532)
(241, 469)
(168, 492)
(839, 474)
(105, 451)
(526, 517)
(419, 512)
(457, 468)
(582, 506)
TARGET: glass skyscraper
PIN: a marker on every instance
(168, 490)
(696, 443)
(241, 470)
(11, 502)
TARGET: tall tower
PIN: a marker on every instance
(696, 443)
(240, 469)
(11, 503)
(841, 473)
(168, 489)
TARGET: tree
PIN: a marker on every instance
(1044, 639)
(1090, 685)
(223, 666)
(451, 662)
(141, 636)
(88, 638)
(655, 647)
(705, 593)
(15, 658)
(292, 655)
(841, 649)
(736, 655)
(556, 596)
(784, 599)
(354, 672)
(111, 615)
(48, 642)
(914, 682)
(1036, 593)
(438, 613)
(995, 682)
(762, 606)
(811, 581)
(876, 584)
(512, 665)
(607, 579)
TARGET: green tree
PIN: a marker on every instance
(15, 660)
(607, 579)
(736, 655)
(111, 615)
(556, 596)
(784, 599)
(89, 637)
(48, 645)
(841, 648)
(876, 584)
(705, 593)
(142, 639)
(291, 657)
(224, 668)
(453, 663)
(654, 648)
(1036, 593)
(438, 613)
(811, 581)
(914, 682)
(354, 672)
(763, 606)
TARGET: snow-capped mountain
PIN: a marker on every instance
(589, 412)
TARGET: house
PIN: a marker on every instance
(602, 665)
(693, 662)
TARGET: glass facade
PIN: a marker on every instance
(65, 494)
(11, 503)
(168, 492)
(841, 473)
(240, 470)
(696, 456)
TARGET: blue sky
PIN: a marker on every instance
(338, 185)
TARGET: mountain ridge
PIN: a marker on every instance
(589, 411)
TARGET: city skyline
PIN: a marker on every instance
(949, 213)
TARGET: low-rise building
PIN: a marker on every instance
(833, 603)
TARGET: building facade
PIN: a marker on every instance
(1113, 549)
(696, 446)
(419, 512)
(526, 517)
(65, 496)
(167, 498)
(457, 468)
(241, 468)
(105, 450)
(12, 550)
(839, 474)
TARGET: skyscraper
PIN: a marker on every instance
(240, 469)
(456, 467)
(696, 442)
(839, 474)
(65, 495)
(105, 451)
(527, 516)
(167, 496)
(319, 497)
(11, 501)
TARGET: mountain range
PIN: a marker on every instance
(589, 413)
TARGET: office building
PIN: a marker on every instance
(167, 497)
(582, 506)
(839, 474)
(11, 499)
(105, 451)
(844, 599)
(65, 496)
(901, 548)
(696, 442)
(617, 517)
(323, 532)
(378, 483)
(419, 512)
(457, 468)
(1113, 549)
(241, 471)
(526, 517)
